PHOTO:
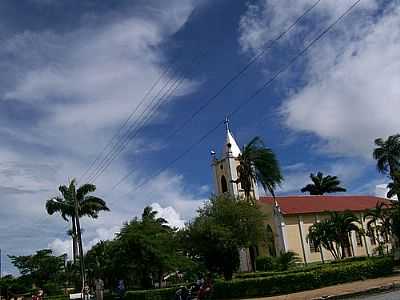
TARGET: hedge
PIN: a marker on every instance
(302, 268)
(155, 294)
(294, 282)
(284, 282)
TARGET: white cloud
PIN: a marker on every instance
(266, 19)
(81, 84)
(169, 214)
(351, 93)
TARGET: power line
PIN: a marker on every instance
(254, 59)
(140, 122)
(267, 46)
(246, 101)
(117, 133)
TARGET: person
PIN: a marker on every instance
(99, 283)
(120, 289)
(205, 289)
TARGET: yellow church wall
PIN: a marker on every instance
(267, 210)
(293, 235)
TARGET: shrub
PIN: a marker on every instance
(287, 260)
(156, 294)
(298, 281)
(264, 263)
(285, 282)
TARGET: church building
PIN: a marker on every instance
(290, 217)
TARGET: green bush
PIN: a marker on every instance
(276, 283)
(293, 282)
(264, 263)
(156, 294)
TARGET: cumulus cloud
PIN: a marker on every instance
(350, 94)
(169, 214)
(75, 87)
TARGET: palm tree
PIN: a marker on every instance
(323, 234)
(344, 223)
(323, 184)
(379, 222)
(74, 204)
(394, 186)
(387, 154)
(258, 164)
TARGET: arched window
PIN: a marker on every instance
(224, 184)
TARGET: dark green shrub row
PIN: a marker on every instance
(302, 268)
(293, 282)
(156, 294)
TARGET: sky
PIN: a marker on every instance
(72, 72)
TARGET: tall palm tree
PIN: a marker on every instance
(87, 205)
(387, 154)
(323, 184)
(258, 164)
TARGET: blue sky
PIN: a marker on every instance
(70, 73)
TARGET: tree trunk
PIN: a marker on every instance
(79, 237)
(74, 240)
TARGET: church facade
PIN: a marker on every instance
(289, 218)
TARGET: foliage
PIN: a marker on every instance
(42, 269)
(285, 282)
(224, 225)
(264, 263)
(65, 206)
(379, 224)
(293, 282)
(286, 260)
(387, 154)
(323, 184)
(282, 262)
(333, 233)
(142, 253)
(258, 164)
(156, 294)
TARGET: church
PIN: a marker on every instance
(288, 218)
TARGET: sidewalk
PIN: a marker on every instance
(341, 290)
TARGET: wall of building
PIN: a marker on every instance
(297, 227)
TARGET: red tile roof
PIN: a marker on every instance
(313, 204)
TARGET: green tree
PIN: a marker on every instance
(258, 164)
(223, 226)
(379, 223)
(323, 234)
(40, 268)
(387, 155)
(145, 250)
(76, 203)
(333, 233)
(323, 184)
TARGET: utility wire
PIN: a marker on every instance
(245, 102)
(117, 133)
(140, 122)
(264, 48)
(267, 46)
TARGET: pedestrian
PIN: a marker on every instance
(99, 283)
(120, 289)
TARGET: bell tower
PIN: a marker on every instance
(225, 169)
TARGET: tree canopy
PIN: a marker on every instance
(323, 184)
(222, 227)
